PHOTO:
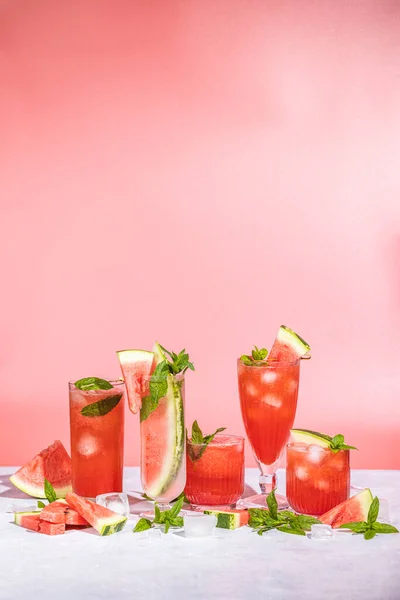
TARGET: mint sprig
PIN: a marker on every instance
(263, 520)
(179, 363)
(92, 383)
(101, 407)
(256, 358)
(370, 527)
(168, 518)
(337, 443)
(49, 491)
(199, 439)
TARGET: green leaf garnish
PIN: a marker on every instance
(101, 407)
(337, 443)
(49, 491)
(370, 527)
(41, 504)
(263, 520)
(179, 363)
(256, 358)
(92, 383)
(142, 525)
(168, 518)
(200, 440)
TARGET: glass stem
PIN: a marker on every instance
(267, 482)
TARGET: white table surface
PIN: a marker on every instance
(232, 564)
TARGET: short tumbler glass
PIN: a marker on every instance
(215, 472)
(317, 479)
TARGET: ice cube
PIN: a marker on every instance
(384, 513)
(117, 502)
(269, 376)
(321, 484)
(321, 532)
(199, 524)
(149, 534)
(272, 400)
(315, 453)
(87, 444)
(301, 473)
(251, 390)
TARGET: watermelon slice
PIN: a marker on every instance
(60, 512)
(33, 521)
(136, 367)
(306, 436)
(354, 509)
(288, 346)
(104, 520)
(53, 464)
(230, 519)
(163, 438)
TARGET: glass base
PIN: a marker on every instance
(260, 501)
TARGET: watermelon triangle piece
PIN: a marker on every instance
(136, 367)
(350, 511)
(52, 463)
(104, 520)
(288, 346)
(60, 512)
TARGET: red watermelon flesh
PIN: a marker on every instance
(60, 512)
(349, 511)
(136, 367)
(51, 528)
(53, 464)
(287, 347)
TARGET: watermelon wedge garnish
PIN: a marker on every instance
(288, 346)
(53, 464)
(60, 512)
(349, 511)
(136, 367)
(104, 520)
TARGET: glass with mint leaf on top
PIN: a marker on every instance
(97, 435)
(215, 469)
(317, 471)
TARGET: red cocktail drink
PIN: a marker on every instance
(215, 472)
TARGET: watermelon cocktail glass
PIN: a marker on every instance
(268, 391)
(215, 472)
(317, 479)
(162, 443)
(97, 435)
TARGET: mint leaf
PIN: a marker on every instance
(49, 491)
(158, 389)
(373, 511)
(291, 529)
(337, 443)
(142, 525)
(177, 522)
(247, 360)
(257, 357)
(179, 363)
(368, 535)
(272, 505)
(92, 383)
(41, 504)
(101, 407)
(356, 526)
(384, 528)
(199, 440)
(167, 526)
(197, 434)
(176, 509)
(305, 522)
(157, 514)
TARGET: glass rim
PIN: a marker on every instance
(237, 439)
(273, 365)
(290, 445)
(114, 382)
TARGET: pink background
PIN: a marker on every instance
(200, 172)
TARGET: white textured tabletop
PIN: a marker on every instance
(232, 564)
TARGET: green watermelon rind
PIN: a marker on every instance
(18, 516)
(37, 491)
(227, 519)
(307, 436)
